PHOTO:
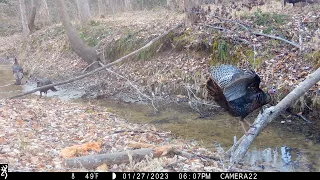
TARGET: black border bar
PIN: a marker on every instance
(160, 175)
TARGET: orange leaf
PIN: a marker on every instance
(103, 167)
(80, 149)
(139, 145)
(20, 121)
(163, 150)
(68, 152)
(2, 140)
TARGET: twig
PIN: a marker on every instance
(234, 21)
(134, 86)
(103, 67)
(85, 69)
(229, 31)
(191, 155)
(276, 37)
(258, 33)
(198, 99)
(5, 85)
(134, 131)
(304, 118)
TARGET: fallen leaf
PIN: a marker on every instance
(139, 145)
(2, 140)
(103, 168)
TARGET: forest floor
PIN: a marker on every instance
(39, 130)
(39, 134)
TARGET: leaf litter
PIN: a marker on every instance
(38, 134)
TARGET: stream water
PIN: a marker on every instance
(276, 148)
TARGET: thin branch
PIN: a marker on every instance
(257, 33)
(234, 21)
(85, 69)
(134, 86)
(198, 99)
(229, 31)
(103, 67)
(276, 37)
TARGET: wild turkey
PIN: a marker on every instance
(296, 1)
(17, 72)
(237, 91)
(44, 82)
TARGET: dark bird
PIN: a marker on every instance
(44, 82)
(17, 72)
(296, 1)
(237, 91)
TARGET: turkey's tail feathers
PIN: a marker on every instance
(216, 93)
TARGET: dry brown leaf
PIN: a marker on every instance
(139, 145)
(2, 140)
(163, 150)
(68, 152)
(80, 149)
(95, 146)
(20, 122)
(103, 168)
(153, 128)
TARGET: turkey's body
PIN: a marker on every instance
(44, 82)
(17, 72)
(236, 91)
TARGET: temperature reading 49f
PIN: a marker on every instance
(91, 176)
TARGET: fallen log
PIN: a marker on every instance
(93, 161)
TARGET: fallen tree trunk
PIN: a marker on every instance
(93, 161)
(270, 114)
(103, 67)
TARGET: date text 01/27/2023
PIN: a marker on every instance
(187, 175)
(164, 175)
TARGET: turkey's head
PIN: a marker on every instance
(270, 96)
(272, 91)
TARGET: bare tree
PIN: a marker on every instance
(24, 22)
(101, 6)
(85, 52)
(83, 11)
(189, 7)
(32, 16)
(44, 11)
(128, 4)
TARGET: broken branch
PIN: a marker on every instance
(271, 113)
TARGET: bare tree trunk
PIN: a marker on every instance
(44, 11)
(111, 6)
(102, 9)
(239, 150)
(190, 15)
(128, 5)
(32, 16)
(83, 11)
(24, 22)
(85, 52)
(170, 4)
